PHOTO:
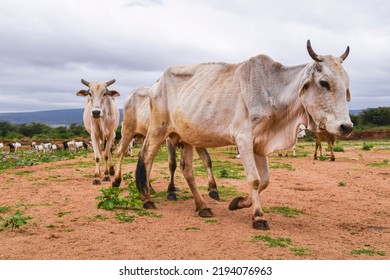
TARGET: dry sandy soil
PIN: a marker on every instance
(346, 207)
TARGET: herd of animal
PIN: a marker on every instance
(49, 147)
(257, 105)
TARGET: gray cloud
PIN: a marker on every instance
(48, 46)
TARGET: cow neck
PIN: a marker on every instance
(287, 112)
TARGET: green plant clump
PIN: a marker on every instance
(285, 211)
(367, 147)
(369, 252)
(15, 221)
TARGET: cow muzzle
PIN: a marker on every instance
(96, 113)
(345, 129)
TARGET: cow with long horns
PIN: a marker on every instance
(101, 119)
(257, 105)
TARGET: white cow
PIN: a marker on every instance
(47, 147)
(71, 145)
(1, 145)
(257, 105)
(136, 115)
(39, 148)
(132, 144)
(78, 145)
(101, 119)
(17, 146)
(301, 134)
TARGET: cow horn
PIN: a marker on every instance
(312, 54)
(110, 82)
(85, 82)
(344, 55)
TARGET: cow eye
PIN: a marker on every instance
(324, 84)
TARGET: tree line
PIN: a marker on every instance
(372, 117)
(36, 130)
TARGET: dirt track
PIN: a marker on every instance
(345, 203)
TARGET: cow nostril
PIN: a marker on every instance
(345, 129)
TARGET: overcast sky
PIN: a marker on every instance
(47, 46)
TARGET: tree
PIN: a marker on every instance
(5, 128)
(376, 116)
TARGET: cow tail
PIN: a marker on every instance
(140, 176)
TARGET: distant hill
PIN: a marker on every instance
(52, 118)
(62, 117)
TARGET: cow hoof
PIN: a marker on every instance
(106, 179)
(234, 203)
(206, 213)
(172, 197)
(116, 183)
(261, 225)
(332, 159)
(149, 205)
(96, 182)
(112, 171)
(214, 195)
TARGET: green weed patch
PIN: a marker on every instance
(285, 211)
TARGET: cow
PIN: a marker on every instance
(1, 145)
(329, 138)
(85, 145)
(17, 145)
(132, 144)
(78, 145)
(65, 145)
(11, 147)
(39, 148)
(257, 105)
(101, 119)
(301, 134)
(136, 115)
(47, 147)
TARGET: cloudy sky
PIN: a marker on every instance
(47, 46)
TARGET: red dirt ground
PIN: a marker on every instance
(337, 219)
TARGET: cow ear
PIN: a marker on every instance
(113, 93)
(348, 95)
(304, 86)
(82, 92)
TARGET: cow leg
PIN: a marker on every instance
(172, 168)
(123, 146)
(97, 156)
(108, 159)
(254, 167)
(318, 147)
(186, 166)
(146, 156)
(109, 153)
(204, 155)
(331, 147)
